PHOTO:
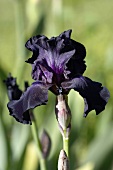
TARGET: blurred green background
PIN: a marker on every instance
(91, 139)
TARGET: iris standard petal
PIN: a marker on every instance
(35, 95)
(35, 44)
(62, 60)
(31, 44)
(95, 96)
(76, 64)
(66, 34)
(60, 55)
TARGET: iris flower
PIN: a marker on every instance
(58, 65)
(14, 93)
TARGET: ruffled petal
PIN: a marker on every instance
(36, 44)
(35, 95)
(66, 34)
(32, 43)
(76, 64)
(59, 55)
(95, 96)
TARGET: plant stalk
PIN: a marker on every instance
(66, 145)
(39, 147)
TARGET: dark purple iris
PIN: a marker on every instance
(57, 65)
(14, 93)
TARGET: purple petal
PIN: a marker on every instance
(34, 44)
(35, 95)
(63, 59)
(66, 34)
(76, 64)
(58, 55)
(95, 96)
(31, 44)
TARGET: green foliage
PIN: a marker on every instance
(91, 139)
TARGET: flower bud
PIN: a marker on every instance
(13, 90)
(63, 162)
(63, 115)
(46, 144)
(14, 93)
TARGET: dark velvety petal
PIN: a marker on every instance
(26, 119)
(76, 64)
(59, 52)
(62, 60)
(59, 55)
(66, 34)
(50, 55)
(75, 67)
(40, 71)
(95, 96)
(80, 50)
(35, 95)
(33, 58)
(31, 44)
(35, 44)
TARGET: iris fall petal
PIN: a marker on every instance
(35, 95)
(95, 96)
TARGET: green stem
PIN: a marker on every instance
(43, 164)
(66, 145)
(36, 139)
(39, 148)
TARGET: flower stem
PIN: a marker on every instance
(66, 145)
(43, 164)
(39, 147)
